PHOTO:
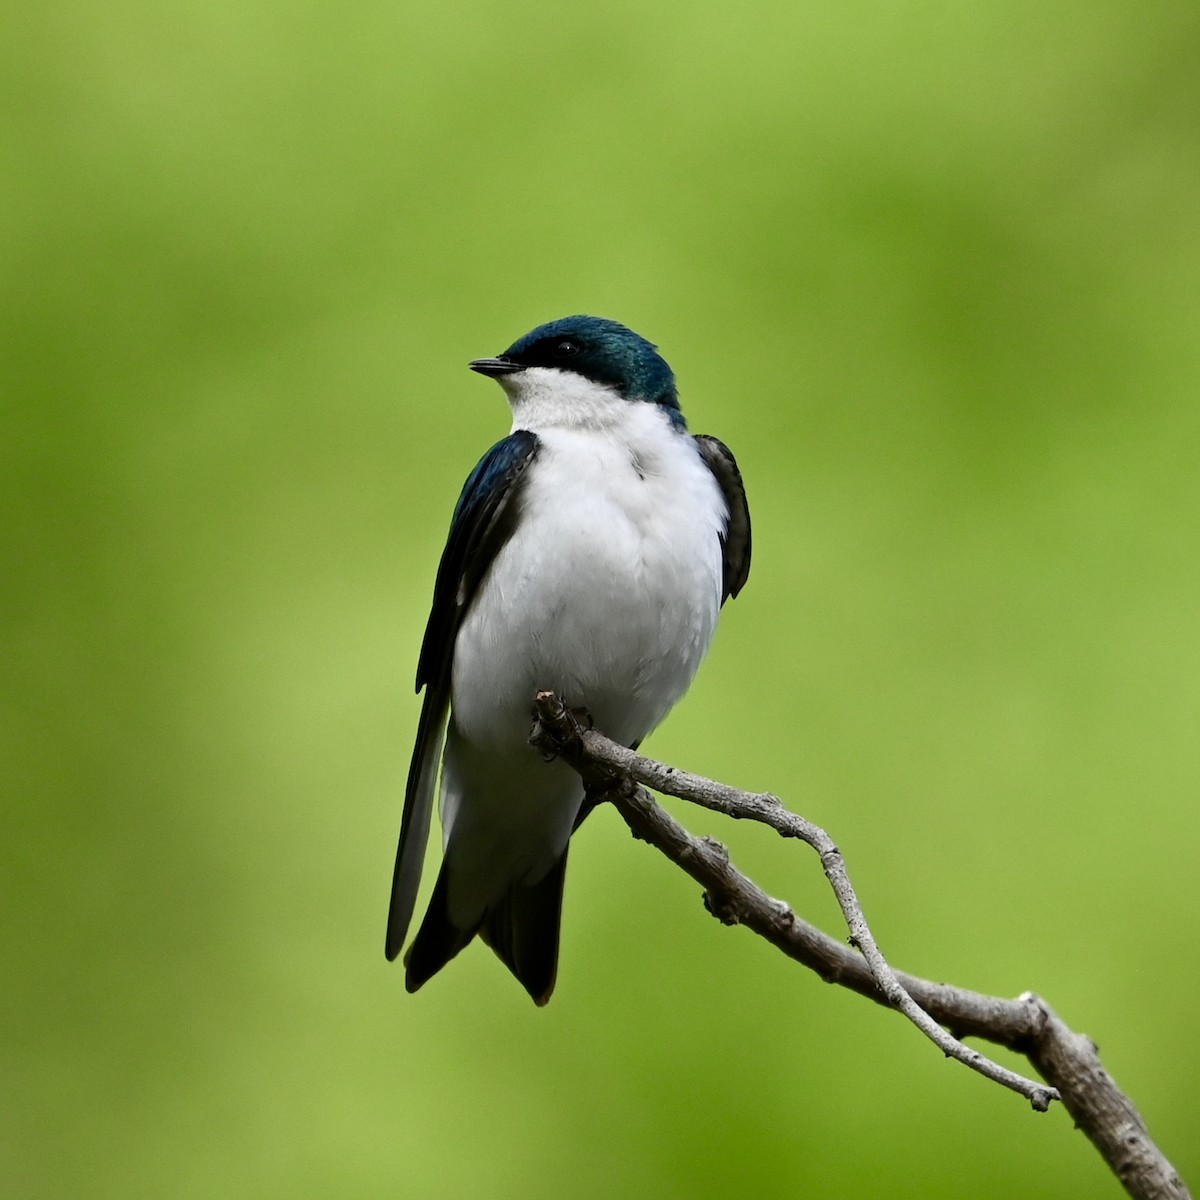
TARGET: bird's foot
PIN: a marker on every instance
(583, 717)
(556, 728)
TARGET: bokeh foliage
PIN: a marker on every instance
(931, 270)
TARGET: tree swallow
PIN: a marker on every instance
(590, 553)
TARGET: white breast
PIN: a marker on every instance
(610, 587)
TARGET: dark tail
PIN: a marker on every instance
(522, 928)
(437, 941)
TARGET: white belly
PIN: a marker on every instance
(608, 593)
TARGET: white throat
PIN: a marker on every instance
(547, 398)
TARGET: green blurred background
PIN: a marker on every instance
(932, 270)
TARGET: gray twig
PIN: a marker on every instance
(1067, 1060)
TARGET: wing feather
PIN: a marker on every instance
(735, 541)
(483, 521)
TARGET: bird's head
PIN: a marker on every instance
(577, 357)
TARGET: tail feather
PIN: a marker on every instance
(522, 928)
(437, 941)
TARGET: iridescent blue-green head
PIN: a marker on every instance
(596, 349)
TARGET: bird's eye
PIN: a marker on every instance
(564, 348)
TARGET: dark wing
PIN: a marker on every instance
(483, 521)
(735, 542)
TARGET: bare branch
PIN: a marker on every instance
(1067, 1060)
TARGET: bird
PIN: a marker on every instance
(590, 553)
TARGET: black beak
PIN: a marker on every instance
(495, 366)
